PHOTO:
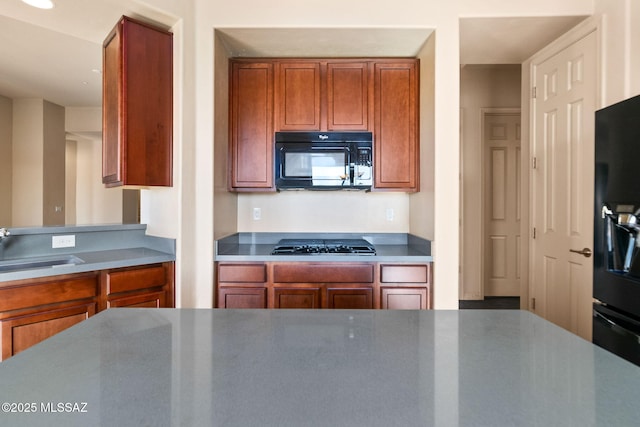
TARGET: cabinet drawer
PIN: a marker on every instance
(49, 291)
(249, 273)
(404, 273)
(322, 273)
(130, 280)
(146, 300)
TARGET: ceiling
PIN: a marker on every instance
(509, 40)
(57, 54)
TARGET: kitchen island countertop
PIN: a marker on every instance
(190, 367)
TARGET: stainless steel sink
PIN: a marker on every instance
(39, 262)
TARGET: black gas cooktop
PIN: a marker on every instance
(323, 247)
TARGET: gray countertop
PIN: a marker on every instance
(97, 247)
(390, 247)
(189, 367)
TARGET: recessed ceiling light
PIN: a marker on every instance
(40, 4)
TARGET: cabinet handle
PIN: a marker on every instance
(586, 252)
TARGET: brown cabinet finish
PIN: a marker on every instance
(339, 94)
(298, 96)
(32, 310)
(137, 122)
(396, 150)
(348, 96)
(241, 285)
(300, 272)
(145, 286)
(149, 299)
(229, 297)
(251, 126)
(405, 286)
(23, 294)
(350, 298)
(404, 273)
(251, 273)
(397, 298)
(21, 332)
(303, 296)
(339, 285)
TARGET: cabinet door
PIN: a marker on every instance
(251, 126)
(350, 298)
(242, 298)
(347, 96)
(397, 298)
(396, 125)
(21, 332)
(298, 96)
(137, 105)
(146, 286)
(298, 297)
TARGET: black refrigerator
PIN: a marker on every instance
(616, 272)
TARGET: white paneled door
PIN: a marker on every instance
(502, 206)
(563, 144)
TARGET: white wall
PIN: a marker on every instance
(338, 211)
(6, 170)
(94, 203)
(53, 186)
(28, 128)
(620, 48)
(197, 92)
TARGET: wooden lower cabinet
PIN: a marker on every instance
(146, 286)
(350, 298)
(306, 285)
(397, 298)
(405, 286)
(21, 332)
(297, 297)
(242, 297)
(241, 285)
(32, 310)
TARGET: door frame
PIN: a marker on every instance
(484, 112)
(589, 25)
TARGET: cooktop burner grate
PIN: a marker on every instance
(323, 247)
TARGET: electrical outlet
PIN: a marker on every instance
(257, 214)
(66, 241)
(390, 214)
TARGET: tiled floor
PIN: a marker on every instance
(504, 303)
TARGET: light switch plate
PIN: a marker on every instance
(66, 241)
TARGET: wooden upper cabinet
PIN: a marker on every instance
(321, 95)
(396, 150)
(298, 96)
(137, 105)
(251, 126)
(348, 96)
(326, 94)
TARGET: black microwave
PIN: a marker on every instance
(323, 160)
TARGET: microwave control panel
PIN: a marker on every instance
(363, 156)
